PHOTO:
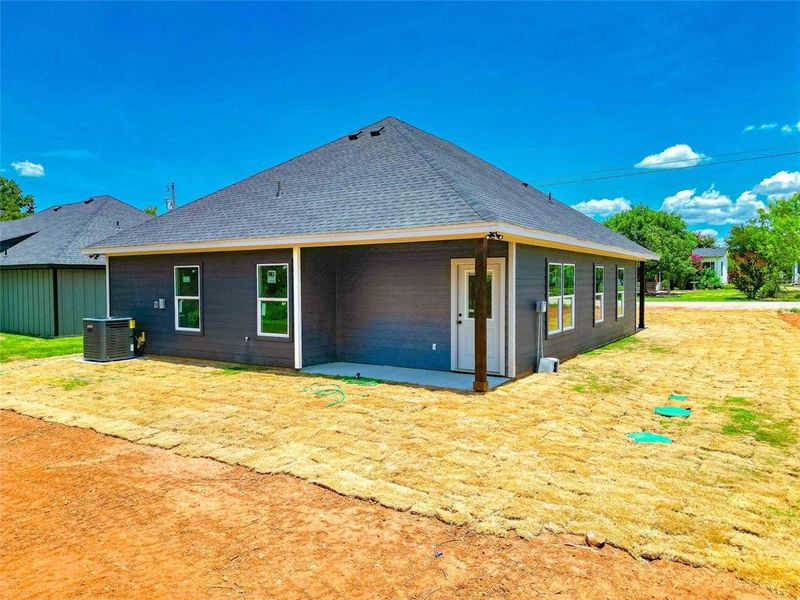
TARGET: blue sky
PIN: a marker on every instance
(123, 98)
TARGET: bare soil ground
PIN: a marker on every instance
(91, 516)
(547, 453)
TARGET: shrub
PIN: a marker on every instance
(709, 280)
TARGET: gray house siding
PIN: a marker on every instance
(319, 305)
(227, 305)
(392, 302)
(532, 286)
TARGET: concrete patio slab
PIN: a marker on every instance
(439, 379)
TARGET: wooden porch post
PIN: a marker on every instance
(642, 288)
(480, 384)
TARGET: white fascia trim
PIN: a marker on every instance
(467, 230)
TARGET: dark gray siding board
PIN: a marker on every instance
(393, 302)
(228, 305)
(318, 305)
(532, 286)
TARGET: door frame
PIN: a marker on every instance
(455, 263)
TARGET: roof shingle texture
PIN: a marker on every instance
(57, 234)
(710, 252)
(403, 177)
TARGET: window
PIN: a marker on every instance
(554, 271)
(599, 285)
(568, 303)
(560, 297)
(187, 298)
(471, 295)
(273, 300)
(620, 292)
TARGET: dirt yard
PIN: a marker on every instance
(546, 453)
(87, 515)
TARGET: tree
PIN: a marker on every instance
(781, 218)
(751, 270)
(152, 210)
(766, 248)
(13, 204)
(705, 241)
(663, 233)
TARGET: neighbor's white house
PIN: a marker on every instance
(715, 258)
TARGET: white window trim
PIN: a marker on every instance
(177, 298)
(601, 294)
(260, 299)
(560, 299)
(572, 295)
(620, 306)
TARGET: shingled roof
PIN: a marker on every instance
(400, 178)
(710, 252)
(56, 235)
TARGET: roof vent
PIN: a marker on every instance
(117, 228)
(524, 184)
(550, 197)
(376, 132)
(89, 201)
(278, 192)
(354, 136)
(57, 208)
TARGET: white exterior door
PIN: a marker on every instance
(463, 317)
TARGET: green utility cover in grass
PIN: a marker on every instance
(678, 398)
(672, 411)
(646, 437)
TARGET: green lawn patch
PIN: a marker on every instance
(626, 343)
(760, 425)
(724, 294)
(71, 383)
(19, 347)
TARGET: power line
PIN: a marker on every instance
(709, 164)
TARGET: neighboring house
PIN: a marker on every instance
(796, 274)
(365, 250)
(47, 285)
(714, 258)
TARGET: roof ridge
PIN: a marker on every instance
(94, 212)
(437, 171)
(275, 166)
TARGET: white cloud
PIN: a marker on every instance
(762, 127)
(708, 232)
(28, 169)
(679, 155)
(786, 128)
(713, 207)
(780, 183)
(602, 207)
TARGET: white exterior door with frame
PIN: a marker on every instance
(463, 315)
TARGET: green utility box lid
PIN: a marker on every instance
(647, 437)
(672, 411)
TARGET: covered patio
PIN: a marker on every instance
(423, 377)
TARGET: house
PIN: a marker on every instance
(714, 258)
(47, 285)
(386, 246)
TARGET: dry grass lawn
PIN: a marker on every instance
(546, 452)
